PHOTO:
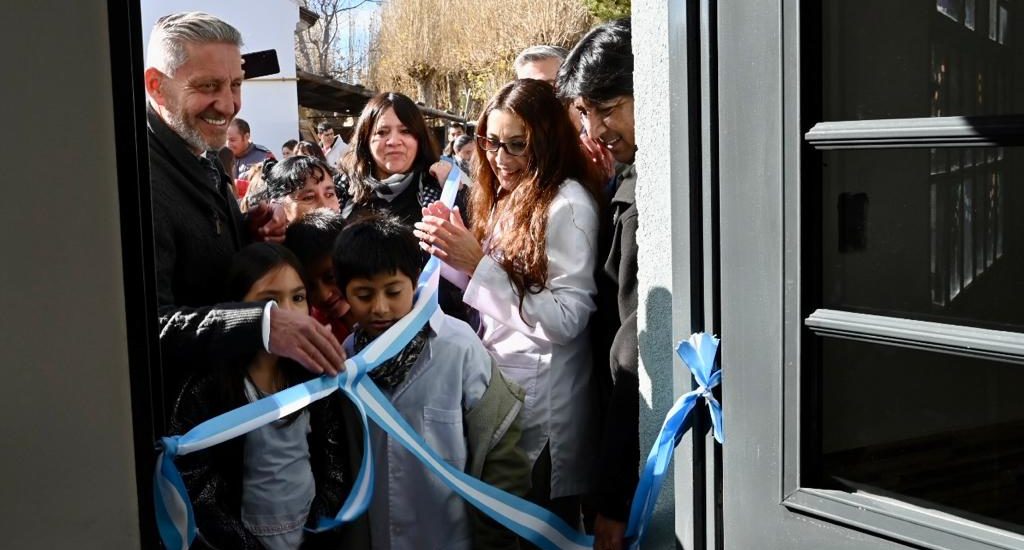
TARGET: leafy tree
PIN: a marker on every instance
(606, 10)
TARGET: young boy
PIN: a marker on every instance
(444, 384)
(311, 239)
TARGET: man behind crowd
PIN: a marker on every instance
(597, 80)
(193, 81)
(455, 130)
(540, 63)
(333, 146)
(247, 154)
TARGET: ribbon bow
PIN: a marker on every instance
(698, 352)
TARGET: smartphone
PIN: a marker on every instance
(262, 63)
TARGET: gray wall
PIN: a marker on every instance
(66, 470)
(664, 280)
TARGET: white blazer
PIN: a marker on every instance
(547, 350)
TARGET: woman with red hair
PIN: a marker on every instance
(530, 255)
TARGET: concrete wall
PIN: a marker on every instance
(66, 470)
(664, 282)
(269, 104)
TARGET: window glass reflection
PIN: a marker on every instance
(925, 58)
(936, 430)
(928, 234)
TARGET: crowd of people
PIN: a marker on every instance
(272, 272)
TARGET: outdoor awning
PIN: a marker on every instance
(330, 95)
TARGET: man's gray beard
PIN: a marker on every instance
(189, 133)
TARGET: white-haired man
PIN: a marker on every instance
(540, 63)
(193, 81)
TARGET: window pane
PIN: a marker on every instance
(938, 430)
(929, 234)
(924, 58)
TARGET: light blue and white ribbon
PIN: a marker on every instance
(175, 519)
(698, 352)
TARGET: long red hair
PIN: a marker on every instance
(554, 155)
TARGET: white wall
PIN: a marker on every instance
(67, 472)
(270, 104)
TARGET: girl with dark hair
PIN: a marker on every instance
(534, 208)
(259, 491)
(302, 184)
(392, 164)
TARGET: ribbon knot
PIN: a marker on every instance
(698, 353)
(168, 445)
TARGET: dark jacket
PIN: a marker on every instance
(197, 228)
(213, 477)
(617, 355)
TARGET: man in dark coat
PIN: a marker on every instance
(193, 81)
(597, 78)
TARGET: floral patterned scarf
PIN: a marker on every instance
(389, 374)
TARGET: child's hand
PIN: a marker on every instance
(609, 534)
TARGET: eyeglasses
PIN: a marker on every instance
(514, 148)
(325, 131)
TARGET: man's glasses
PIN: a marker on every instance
(326, 131)
(514, 148)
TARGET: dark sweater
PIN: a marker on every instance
(198, 228)
(421, 191)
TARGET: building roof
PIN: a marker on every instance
(308, 16)
(330, 95)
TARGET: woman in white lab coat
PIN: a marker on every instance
(529, 256)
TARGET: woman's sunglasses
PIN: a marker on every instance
(514, 148)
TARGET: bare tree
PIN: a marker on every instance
(319, 49)
(454, 54)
